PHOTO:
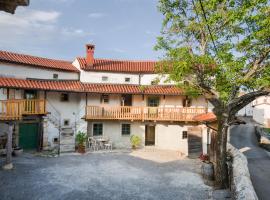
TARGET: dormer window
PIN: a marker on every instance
(104, 78)
(127, 79)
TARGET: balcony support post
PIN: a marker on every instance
(8, 165)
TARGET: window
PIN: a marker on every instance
(64, 97)
(127, 79)
(153, 101)
(104, 78)
(55, 76)
(104, 98)
(125, 129)
(186, 102)
(66, 122)
(184, 135)
(11, 94)
(30, 94)
(153, 83)
(97, 129)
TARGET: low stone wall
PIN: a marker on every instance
(242, 187)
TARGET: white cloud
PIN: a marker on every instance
(31, 27)
(96, 15)
(75, 32)
(28, 18)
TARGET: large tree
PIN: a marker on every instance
(217, 48)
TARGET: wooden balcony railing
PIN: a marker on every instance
(134, 113)
(14, 109)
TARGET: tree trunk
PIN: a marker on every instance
(221, 170)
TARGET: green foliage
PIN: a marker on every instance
(81, 138)
(220, 61)
(135, 141)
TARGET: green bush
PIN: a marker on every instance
(135, 141)
(81, 138)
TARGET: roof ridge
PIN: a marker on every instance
(120, 60)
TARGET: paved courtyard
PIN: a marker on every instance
(102, 176)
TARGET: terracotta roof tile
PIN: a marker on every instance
(119, 65)
(35, 61)
(206, 117)
(77, 86)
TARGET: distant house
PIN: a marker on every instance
(247, 111)
(261, 110)
(51, 100)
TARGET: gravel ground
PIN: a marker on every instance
(101, 176)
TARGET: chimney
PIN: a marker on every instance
(90, 49)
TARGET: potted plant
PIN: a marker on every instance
(135, 141)
(81, 140)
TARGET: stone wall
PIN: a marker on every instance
(263, 137)
(242, 187)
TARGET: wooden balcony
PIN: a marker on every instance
(15, 109)
(134, 113)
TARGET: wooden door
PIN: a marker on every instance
(194, 142)
(149, 135)
(127, 99)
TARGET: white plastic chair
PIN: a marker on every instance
(108, 146)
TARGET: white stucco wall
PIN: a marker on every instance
(246, 111)
(112, 130)
(23, 72)
(259, 113)
(73, 110)
(115, 78)
(170, 137)
(146, 79)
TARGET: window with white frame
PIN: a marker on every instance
(97, 129)
(125, 129)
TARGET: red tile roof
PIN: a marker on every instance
(35, 61)
(77, 86)
(119, 65)
(206, 117)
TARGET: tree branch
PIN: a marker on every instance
(256, 65)
(240, 102)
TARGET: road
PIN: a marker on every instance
(243, 137)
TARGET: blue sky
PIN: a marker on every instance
(120, 29)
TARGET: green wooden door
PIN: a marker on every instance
(28, 136)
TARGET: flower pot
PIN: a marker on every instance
(207, 170)
(17, 151)
(81, 149)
